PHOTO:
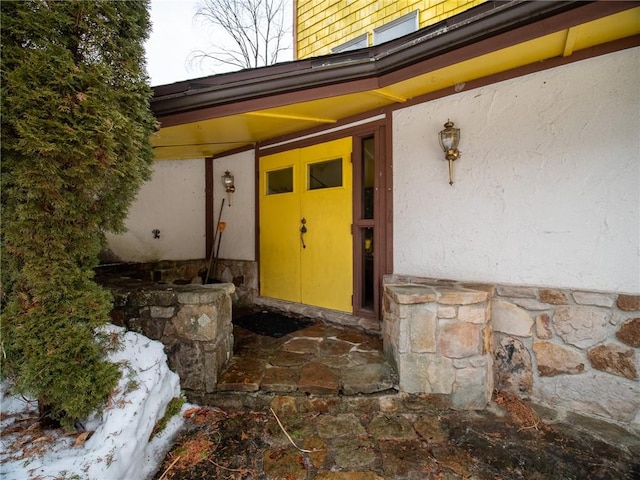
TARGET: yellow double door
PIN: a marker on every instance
(305, 225)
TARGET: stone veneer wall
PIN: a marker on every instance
(244, 275)
(439, 339)
(192, 321)
(571, 350)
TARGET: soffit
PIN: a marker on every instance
(246, 123)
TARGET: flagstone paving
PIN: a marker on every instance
(320, 360)
(319, 404)
(278, 437)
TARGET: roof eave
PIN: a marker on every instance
(474, 26)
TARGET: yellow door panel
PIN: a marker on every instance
(279, 220)
(326, 262)
(314, 184)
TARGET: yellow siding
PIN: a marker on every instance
(325, 24)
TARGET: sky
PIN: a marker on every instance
(175, 34)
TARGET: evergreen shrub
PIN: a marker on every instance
(76, 125)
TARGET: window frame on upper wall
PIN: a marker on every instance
(394, 29)
(361, 41)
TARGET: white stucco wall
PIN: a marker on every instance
(547, 191)
(173, 201)
(238, 240)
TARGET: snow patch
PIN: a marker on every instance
(119, 447)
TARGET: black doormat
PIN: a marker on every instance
(271, 324)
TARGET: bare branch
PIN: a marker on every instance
(249, 33)
(200, 57)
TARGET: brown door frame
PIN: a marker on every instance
(382, 217)
(208, 220)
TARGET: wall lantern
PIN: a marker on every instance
(227, 181)
(449, 139)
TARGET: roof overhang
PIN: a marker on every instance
(210, 116)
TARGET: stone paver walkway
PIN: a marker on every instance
(319, 360)
(320, 404)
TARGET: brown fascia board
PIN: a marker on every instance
(488, 20)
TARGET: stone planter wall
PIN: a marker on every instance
(192, 321)
(243, 274)
(438, 338)
(571, 350)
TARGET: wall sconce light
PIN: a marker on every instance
(227, 181)
(449, 139)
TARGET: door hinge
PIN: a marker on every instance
(352, 300)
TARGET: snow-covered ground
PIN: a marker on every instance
(119, 447)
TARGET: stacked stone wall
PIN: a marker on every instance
(575, 351)
(243, 275)
(192, 321)
(569, 349)
(438, 337)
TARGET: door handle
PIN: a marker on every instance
(303, 230)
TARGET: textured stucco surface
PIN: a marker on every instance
(547, 191)
(172, 202)
(238, 239)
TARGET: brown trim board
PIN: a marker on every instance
(227, 153)
(208, 205)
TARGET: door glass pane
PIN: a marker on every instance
(368, 177)
(280, 181)
(367, 271)
(325, 174)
